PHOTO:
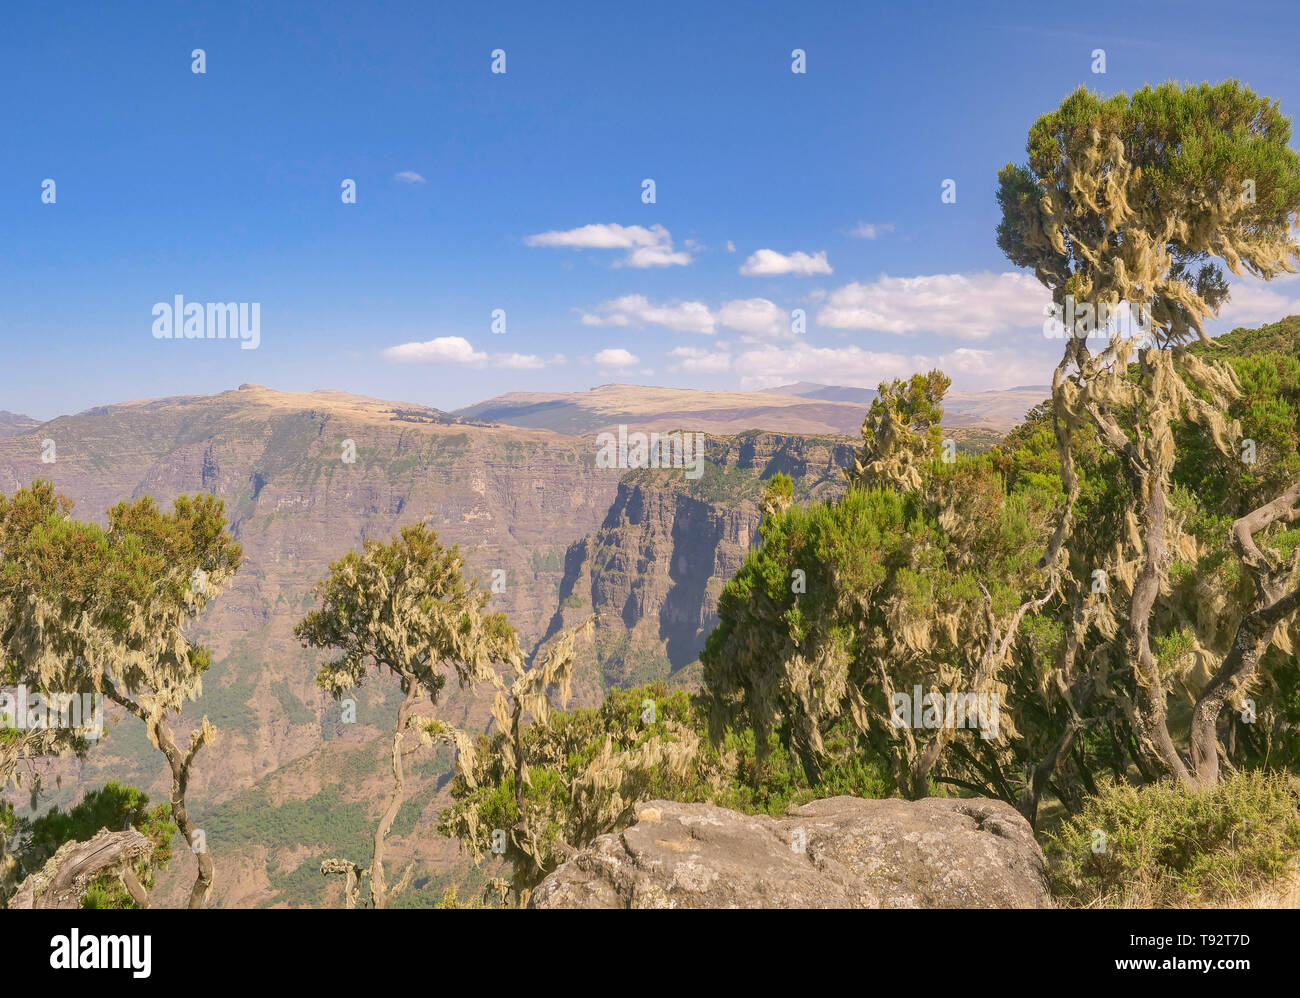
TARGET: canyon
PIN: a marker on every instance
(305, 477)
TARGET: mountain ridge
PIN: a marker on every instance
(527, 502)
(14, 423)
(803, 408)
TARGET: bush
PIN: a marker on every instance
(610, 738)
(1166, 846)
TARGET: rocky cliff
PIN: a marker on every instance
(669, 544)
(842, 852)
(306, 478)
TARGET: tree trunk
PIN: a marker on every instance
(1152, 709)
(1145, 476)
(379, 892)
(180, 768)
(66, 876)
(1273, 604)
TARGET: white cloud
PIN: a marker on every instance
(409, 177)
(756, 319)
(684, 317)
(522, 361)
(731, 247)
(656, 256)
(699, 361)
(1258, 301)
(765, 367)
(868, 230)
(616, 357)
(770, 263)
(986, 370)
(456, 350)
(971, 370)
(971, 307)
(652, 247)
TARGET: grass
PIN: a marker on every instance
(1164, 846)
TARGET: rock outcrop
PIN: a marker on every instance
(669, 544)
(842, 852)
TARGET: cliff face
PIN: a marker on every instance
(514, 500)
(288, 783)
(669, 544)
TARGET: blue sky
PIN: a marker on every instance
(522, 191)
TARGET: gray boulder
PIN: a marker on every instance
(842, 852)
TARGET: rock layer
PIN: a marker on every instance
(842, 852)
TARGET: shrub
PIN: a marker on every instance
(1166, 846)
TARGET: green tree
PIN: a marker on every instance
(546, 789)
(920, 576)
(901, 433)
(403, 608)
(106, 609)
(1136, 200)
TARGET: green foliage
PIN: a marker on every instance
(557, 755)
(1165, 846)
(84, 607)
(778, 495)
(1156, 182)
(324, 820)
(403, 606)
(628, 741)
(901, 432)
(294, 709)
(718, 484)
(907, 580)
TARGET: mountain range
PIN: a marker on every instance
(12, 423)
(513, 481)
(803, 407)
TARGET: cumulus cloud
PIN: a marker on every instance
(765, 367)
(616, 357)
(697, 360)
(983, 370)
(684, 317)
(756, 319)
(770, 263)
(456, 350)
(409, 177)
(652, 247)
(869, 230)
(1260, 301)
(970, 369)
(964, 306)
